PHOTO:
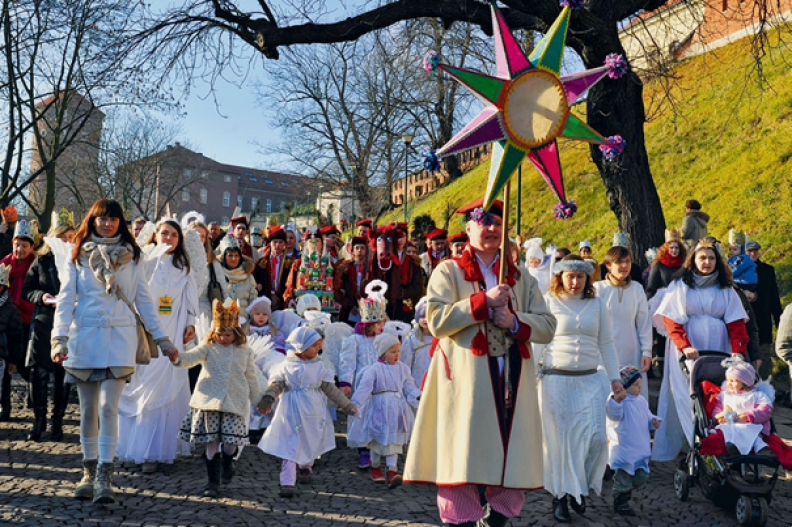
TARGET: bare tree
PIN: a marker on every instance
(144, 167)
(63, 63)
(193, 31)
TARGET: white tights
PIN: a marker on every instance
(214, 447)
(99, 418)
(390, 461)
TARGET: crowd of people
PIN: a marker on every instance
(492, 381)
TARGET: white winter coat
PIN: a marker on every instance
(101, 328)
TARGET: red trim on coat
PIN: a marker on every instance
(478, 306)
(677, 334)
(461, 483)
(521, 337)
(467, 262)
(738, 336)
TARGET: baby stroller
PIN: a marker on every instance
(743, 482)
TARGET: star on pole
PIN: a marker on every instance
(526, 107)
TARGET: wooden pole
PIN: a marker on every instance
(519, 198)
(504, 235)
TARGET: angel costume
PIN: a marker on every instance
(155, 402)
(269, 350)
(704, 317)
(386, 398)
(758, 406)
(415, 354)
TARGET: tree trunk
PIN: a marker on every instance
(615, 107)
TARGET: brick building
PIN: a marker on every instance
(188, 180)
(685, 28)
(76, 169)
(422, 183)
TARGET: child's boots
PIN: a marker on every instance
(394, 479)
(621, 504)
(228, 468)
(377, 475)
(213, 467)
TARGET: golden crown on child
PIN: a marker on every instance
(225, 316)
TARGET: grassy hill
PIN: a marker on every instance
(720, 138)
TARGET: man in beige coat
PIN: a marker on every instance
(478, 422)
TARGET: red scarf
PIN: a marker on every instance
(470, 266)
(434, 261)
(274, 273)
(670, 261)
(406, 267)
(352, 270)
(19, 270)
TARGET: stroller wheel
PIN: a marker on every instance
(759, 511)
(681, 485)
(743, 510)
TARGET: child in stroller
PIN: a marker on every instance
(732, 477)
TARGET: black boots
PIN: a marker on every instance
(39, 424)
(213, 467)
(579, 508)
(60, 398)
(228, 467)
(561, 509)
(621, 504)
(493, 519)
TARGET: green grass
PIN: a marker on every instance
(725, 142)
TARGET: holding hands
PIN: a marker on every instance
(189, 334)
(619, 393)
(172, 353)
(656, 422)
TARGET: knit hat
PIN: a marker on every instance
(384, 341)
(306, 302)
(302, 338)
(743, 372)
(533, 249)
(262, 304)
(629, 374)
(584, 244)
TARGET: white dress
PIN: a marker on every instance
(632, 325)
(301, 429)
(573, 407)
(203, 323)
(267, 357)
(745, 436)
(629, 437)
(415, 354)
(154, 404)
(357, 352)
(704, 313)
(386, 397)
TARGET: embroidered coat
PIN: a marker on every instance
(459, 436)
(263, 276)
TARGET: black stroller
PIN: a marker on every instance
(745, 483)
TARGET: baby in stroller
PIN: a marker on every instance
(743, 409)
(735, 458)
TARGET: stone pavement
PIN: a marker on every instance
(37, 481)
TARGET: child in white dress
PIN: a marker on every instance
(386, 396)
(301, 429)
(269, 350)
(415, 348)
(357, 352)
(219, 404)
(629, 440)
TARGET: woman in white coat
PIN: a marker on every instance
(215, 273)
(626, 302)
(155, 402)
(700, 311)
(95, 337)
(574, 390)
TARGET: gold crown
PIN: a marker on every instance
(225, 316)
(704, 243)
(672, 235)
(371, 310)
(5, 274)
(737, 238)
(64, 218)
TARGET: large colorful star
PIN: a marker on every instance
(526, 107)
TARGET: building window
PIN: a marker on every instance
(204, 196)
(185, 194)
(282, 204)
(224, 220)
(227, 179)
(226, 199)
(187, 172)
(240, 201)
(268, 181)
(253, 203)
(269, 205)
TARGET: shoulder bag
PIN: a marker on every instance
(213, 290)
(146, 346)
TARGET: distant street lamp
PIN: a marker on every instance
(407, 139)
(321, 187)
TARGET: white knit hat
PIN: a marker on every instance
(384, 341)
(306, 302)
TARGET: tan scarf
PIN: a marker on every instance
(618, 283)
(105, 256)
(239, 274)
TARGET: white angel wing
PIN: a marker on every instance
(334, 336)
(61, 250)
(199, 266)
(286, 320)
(654, 303)
(145, 233)
(153, 251)
(398, 328)
(261, 345)
(318, 321)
